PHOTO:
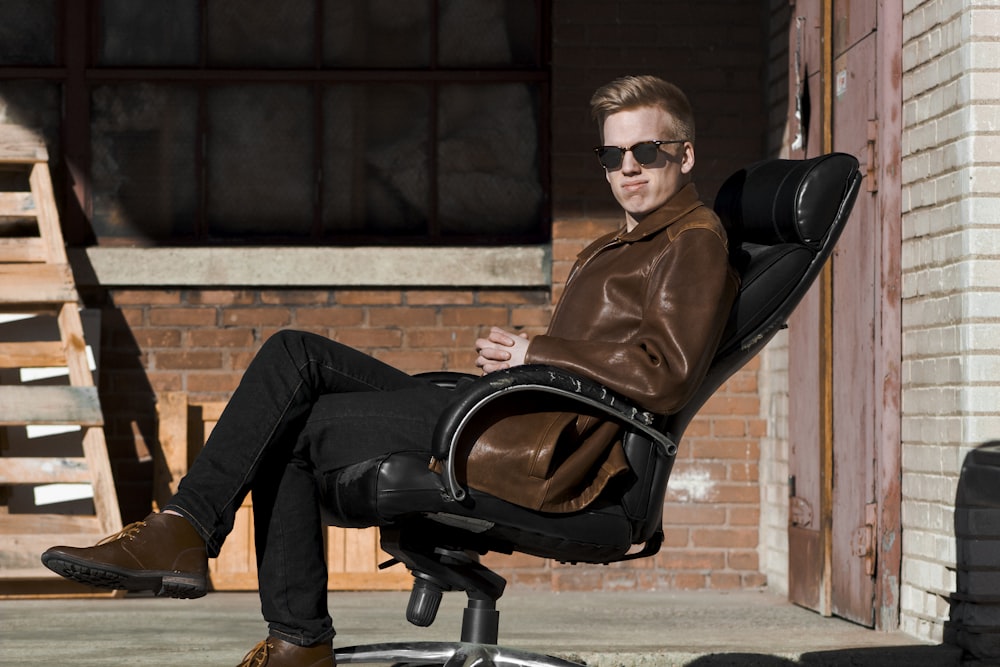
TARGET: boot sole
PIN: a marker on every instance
(161, 583)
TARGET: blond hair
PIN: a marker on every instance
(631, 92)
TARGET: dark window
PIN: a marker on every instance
(28, 32)
(301, 121)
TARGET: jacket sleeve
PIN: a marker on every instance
(686, 303)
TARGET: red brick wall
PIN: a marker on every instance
(199, 341)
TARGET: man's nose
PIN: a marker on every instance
(629, 164)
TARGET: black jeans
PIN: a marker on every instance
(305, 405)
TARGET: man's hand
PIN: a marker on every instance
(501, 349)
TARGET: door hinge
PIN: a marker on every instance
(863, 540)
(799, 510)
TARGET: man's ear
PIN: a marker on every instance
(687, 158)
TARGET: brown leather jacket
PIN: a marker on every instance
(642, 313)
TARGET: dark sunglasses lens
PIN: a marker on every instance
(609, 156)
(645, 153)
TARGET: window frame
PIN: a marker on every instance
(76, 68)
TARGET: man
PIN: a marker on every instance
(642, 313)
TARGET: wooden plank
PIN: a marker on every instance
(22, 405)
(21, 552)
(105, 495)
(236, 564)
(19, 205)
(396, 578)
(210, 413)
(36, 283)
(53, 524)
(233, 580)
(44, 584)
(39, 581)
(19, 144)
(26, 249)
(336, 554)
(31, 309)
(75, 346)
(362, 550)
(27, 573)
(48, 214)
(38, 470)
(172, 413)
(37, 354)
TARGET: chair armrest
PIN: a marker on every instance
(446, 379)
(482, 391)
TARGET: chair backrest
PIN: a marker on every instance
(783, 218)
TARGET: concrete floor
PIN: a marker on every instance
(700, 629)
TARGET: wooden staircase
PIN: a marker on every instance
(50, 428)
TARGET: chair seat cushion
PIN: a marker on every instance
(399, 486)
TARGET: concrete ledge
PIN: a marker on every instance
(499, 267)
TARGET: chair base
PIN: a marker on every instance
(445, 654)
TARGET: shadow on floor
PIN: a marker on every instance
(882, 656)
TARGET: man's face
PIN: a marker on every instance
(641, 189)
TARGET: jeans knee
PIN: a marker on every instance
(285, 338)
(281, 348)
(290, 342)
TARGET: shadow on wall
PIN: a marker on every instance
(975, 604)
(881, 656)
(129, 404)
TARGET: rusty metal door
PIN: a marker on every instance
(844, 347)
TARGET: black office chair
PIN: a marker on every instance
(783, 218)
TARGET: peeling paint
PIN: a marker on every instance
(692, 485)
(888, 540)
(889, 608)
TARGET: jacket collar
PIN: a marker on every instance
(683, 202)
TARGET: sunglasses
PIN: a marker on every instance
(644, 152)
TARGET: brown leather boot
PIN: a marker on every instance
(163, 554)
(274, 652)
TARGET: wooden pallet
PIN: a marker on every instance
(37, 287)
(352, 555)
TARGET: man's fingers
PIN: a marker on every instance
(501, 338)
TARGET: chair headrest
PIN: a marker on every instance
(785, 201)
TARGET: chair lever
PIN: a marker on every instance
(384, 565)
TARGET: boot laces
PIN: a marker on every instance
(128, 531)
(257, 657)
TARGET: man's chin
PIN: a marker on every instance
(638, 214)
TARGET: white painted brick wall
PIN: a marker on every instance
(951, 282)
(773, 543)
